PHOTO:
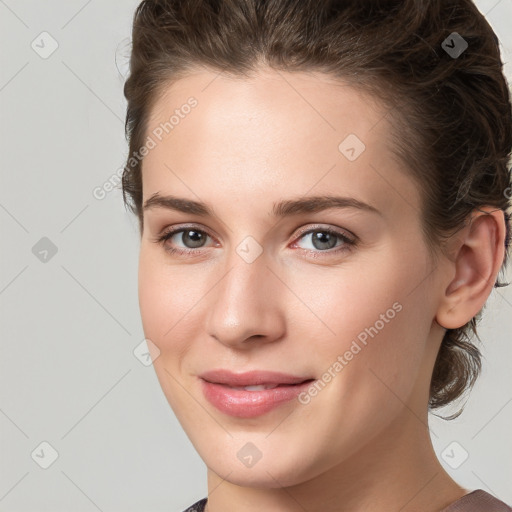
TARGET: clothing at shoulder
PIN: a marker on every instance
(476, 501)
(198, 506)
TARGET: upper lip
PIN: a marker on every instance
(252, 378)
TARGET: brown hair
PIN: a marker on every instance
(451, 114)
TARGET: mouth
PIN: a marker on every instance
(251, 394)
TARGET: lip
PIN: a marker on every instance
(217, 389)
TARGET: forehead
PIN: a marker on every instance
(307, 104)
(261, 133)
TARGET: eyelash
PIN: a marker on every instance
(347, 245)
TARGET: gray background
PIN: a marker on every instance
(70, 324)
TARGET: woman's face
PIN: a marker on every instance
(344, 295)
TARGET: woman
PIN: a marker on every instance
(322, 194)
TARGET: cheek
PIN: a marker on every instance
(167, 297)
(371, 367)
(377, 319)
(166, 300)
(348, 300)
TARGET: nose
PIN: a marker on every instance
(246, 305)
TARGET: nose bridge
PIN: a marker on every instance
(245, 302)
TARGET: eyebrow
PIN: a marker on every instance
(285, 208)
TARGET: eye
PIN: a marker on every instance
(324, 239)
(191, 237)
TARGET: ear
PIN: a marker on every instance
(478, 255)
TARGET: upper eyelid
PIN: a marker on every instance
(175, 230)
(337, 230)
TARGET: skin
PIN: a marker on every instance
(363, 440)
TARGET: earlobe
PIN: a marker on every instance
(480, 250)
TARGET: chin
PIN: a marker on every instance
(272, 473)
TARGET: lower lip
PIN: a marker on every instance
(249, 404)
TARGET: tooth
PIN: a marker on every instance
(260, 387)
